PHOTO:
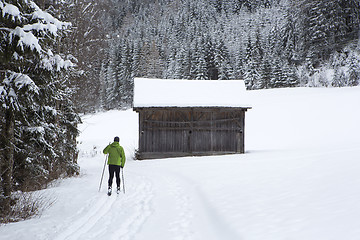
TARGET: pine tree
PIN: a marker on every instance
(36, 125)
(125, 76)
(185, 65)
(198, 63)
(289, 75)
(103, 84)
(222, 62)
(249, 74)
(151, 63)
(111, 86)
(136, 55)
(279, 78)
(339, 79)
(212, 70)
(179, 63)
(171, 65)
(266, 73)
(353, 71)
(289, 37)
(257, 58)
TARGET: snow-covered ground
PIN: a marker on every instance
(299, 179)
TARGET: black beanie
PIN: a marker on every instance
(116, 139)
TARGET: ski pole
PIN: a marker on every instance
(122, 171)
(102, 175)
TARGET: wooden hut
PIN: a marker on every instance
(189, 117)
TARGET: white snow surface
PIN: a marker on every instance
(299, 179)
(189, 93)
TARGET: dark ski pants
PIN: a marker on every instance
(114, 169)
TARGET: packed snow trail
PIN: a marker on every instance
(171, 206)
(299, 179)
(100, 219)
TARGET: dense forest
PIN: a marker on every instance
(59, 58)
(267, 43)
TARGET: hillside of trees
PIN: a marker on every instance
(268, 43)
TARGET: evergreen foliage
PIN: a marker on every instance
(39, 123)
(268, 43)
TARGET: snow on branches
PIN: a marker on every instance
(50, 61)
(10, 10)
(26, 30)
(12, 84)
(30, 31)
(37, 118)
(26, 39)
(48, 18)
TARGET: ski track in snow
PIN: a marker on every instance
(182, 225)
(141, 200)
(88, 220)
(217, 226)
(115, 217)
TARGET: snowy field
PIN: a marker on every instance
(299, 179)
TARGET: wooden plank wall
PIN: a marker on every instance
(191, 130)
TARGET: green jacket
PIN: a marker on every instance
(116, 154)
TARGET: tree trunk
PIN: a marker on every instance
(8, 158)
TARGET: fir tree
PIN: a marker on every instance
(198, 63)
(279, 78)
(353, 71)
(222, 62)
(266, 73)
(339, 79)
(38, 131)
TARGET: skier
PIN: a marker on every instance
(116, 160)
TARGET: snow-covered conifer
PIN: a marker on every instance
(39, 119)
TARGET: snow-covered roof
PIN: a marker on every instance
(189, 93)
